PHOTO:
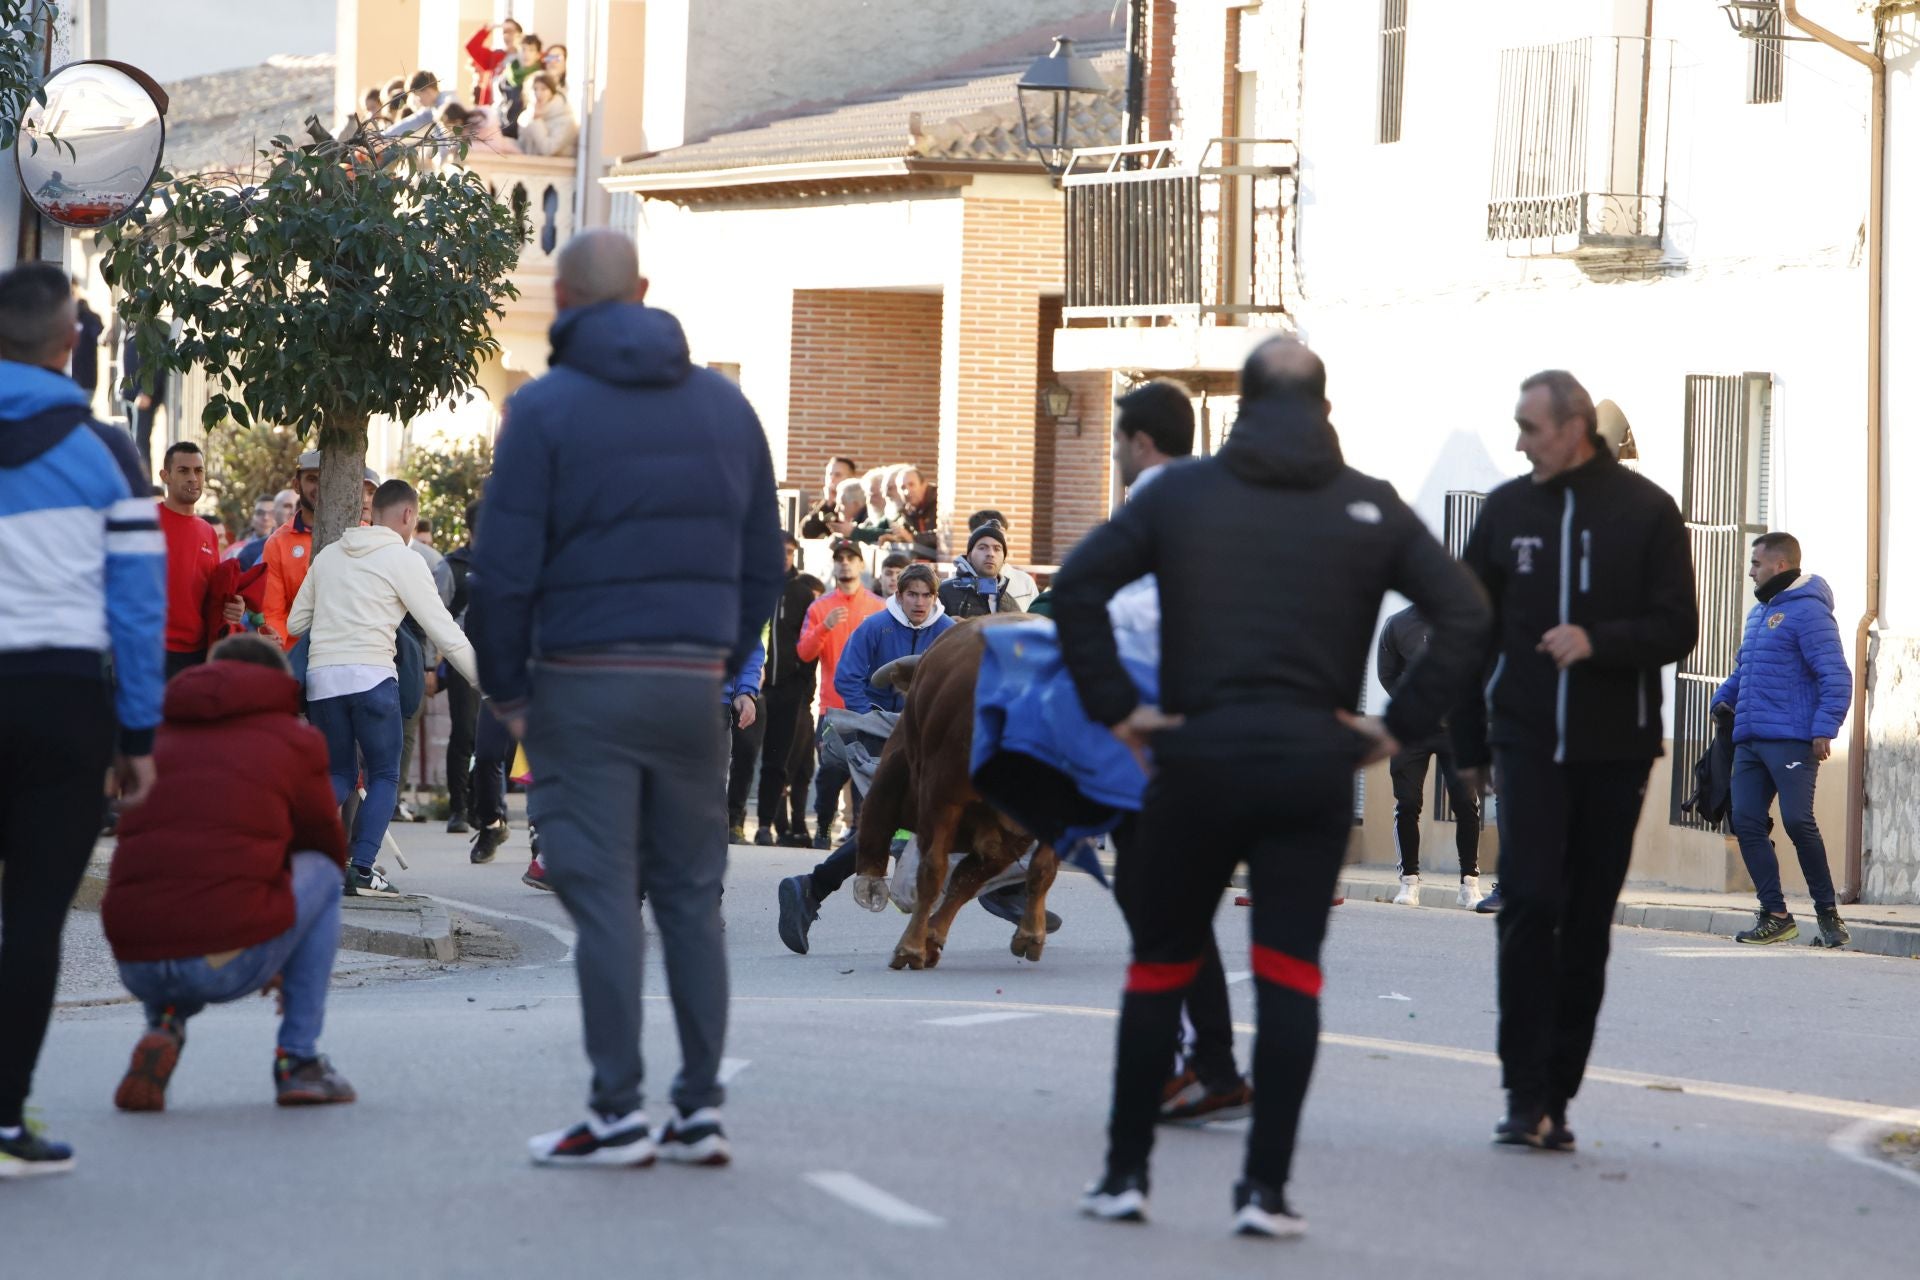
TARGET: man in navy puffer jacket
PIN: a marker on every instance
(1789, 691)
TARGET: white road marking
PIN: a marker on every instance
(978, 1019)
(566, 937)
(867, 1198)
(1732, 950)
(1856, 1142)
(732, 1067)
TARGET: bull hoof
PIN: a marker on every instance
(905, 959)
(1028, 946)
(934, 948)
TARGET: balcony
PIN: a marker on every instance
(541, 187)
(1173, 260)
(1580, 149)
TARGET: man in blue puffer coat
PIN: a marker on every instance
(1788, 693)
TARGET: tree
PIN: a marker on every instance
(24, 25)
(355, 278)
(245, 463)
(448, 479)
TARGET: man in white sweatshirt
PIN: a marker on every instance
(350, 605)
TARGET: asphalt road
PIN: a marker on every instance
(942, 1123)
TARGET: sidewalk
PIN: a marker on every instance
(1878, 930)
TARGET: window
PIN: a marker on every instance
(1393, 67)
(1725, 500)
(1766, 61)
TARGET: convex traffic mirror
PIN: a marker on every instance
(88, 155)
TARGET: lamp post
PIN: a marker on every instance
(1047, 93)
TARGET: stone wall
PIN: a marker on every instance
(1891, 861)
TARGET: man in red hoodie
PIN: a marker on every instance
(206, 904)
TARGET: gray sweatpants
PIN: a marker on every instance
(629, 773)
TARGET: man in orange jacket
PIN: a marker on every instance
(830, 624)
(290, 548)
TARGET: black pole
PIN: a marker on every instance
(1136, 70)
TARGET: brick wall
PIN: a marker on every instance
(865, 381)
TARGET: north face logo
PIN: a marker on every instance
(1364, 512)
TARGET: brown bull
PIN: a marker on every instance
(923, 785)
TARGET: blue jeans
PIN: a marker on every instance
(1761, 770)
(302, 957)
(371, 722)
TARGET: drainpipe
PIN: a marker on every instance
(1136, 71)
(1876, 240)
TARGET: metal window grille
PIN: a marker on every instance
(1766, 61)
(1393, 67)
(1462, 509)
(1724, 499)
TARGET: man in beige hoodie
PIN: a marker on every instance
(350, 605)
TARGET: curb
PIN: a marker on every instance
(1899, 941)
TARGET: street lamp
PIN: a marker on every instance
(1047, 101)
(1753, 19)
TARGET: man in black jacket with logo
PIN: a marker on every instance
(788, 688)
(1591, 579)
(1256, 748)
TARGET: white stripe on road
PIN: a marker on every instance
(978, 1019)
(1733, 950)
(1857, 1141)
(564, 936)
(867, 1198)
(731, 1067)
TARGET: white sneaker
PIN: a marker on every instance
(1409, 895)
(1469, 891)
(695, 1139)
(626, 1141)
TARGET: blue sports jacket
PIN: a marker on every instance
(876, 642)
(1790, 679)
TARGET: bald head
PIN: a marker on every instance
(1284, 369)
(598, 265)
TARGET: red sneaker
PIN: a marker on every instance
(144, 1087)
(536, 875)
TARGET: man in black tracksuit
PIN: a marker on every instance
(1588, 568)
(788, 689)
(1403, 638)
(1257, 744)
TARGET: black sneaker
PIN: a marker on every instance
(1525, 1125)
(487, 841)
(1559, 1136)
(695, 1139)
(1833, 930)
(1010, 904)
(1767, 928)
(798, 911)
(308, 1082)
(1259, 1210)
(457, 826)
(1118, 1197)
(823, 840)
(1490, 905)
(28, 1155)
(624, 1140)
(764, 837)
(368, 882)
(796, 839)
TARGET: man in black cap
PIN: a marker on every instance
(977, 587)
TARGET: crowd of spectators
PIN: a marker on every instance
(519, 104)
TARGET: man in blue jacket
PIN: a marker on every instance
(82, 576)
(1788, 693)
(629, 558)
(913, 619)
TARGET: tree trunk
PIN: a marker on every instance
(343, 461)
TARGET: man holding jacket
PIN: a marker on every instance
(1591, 578)
(1788, 693)
(1257, 744)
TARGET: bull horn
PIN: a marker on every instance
(897, 674)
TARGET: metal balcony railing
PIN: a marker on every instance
(1150, 238)
(1580, 147)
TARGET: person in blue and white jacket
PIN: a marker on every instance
(82, 578)
(1789, 691)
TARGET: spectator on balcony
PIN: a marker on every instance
(919, 506)
(512, 85)
(478, 127)
(375, 106)
(820, 521)
(554, 63)
(859, 519)
(488, 62)
(427, 103)
(547, 127)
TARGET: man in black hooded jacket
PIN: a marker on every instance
(1591, 579)
(1257, 744)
